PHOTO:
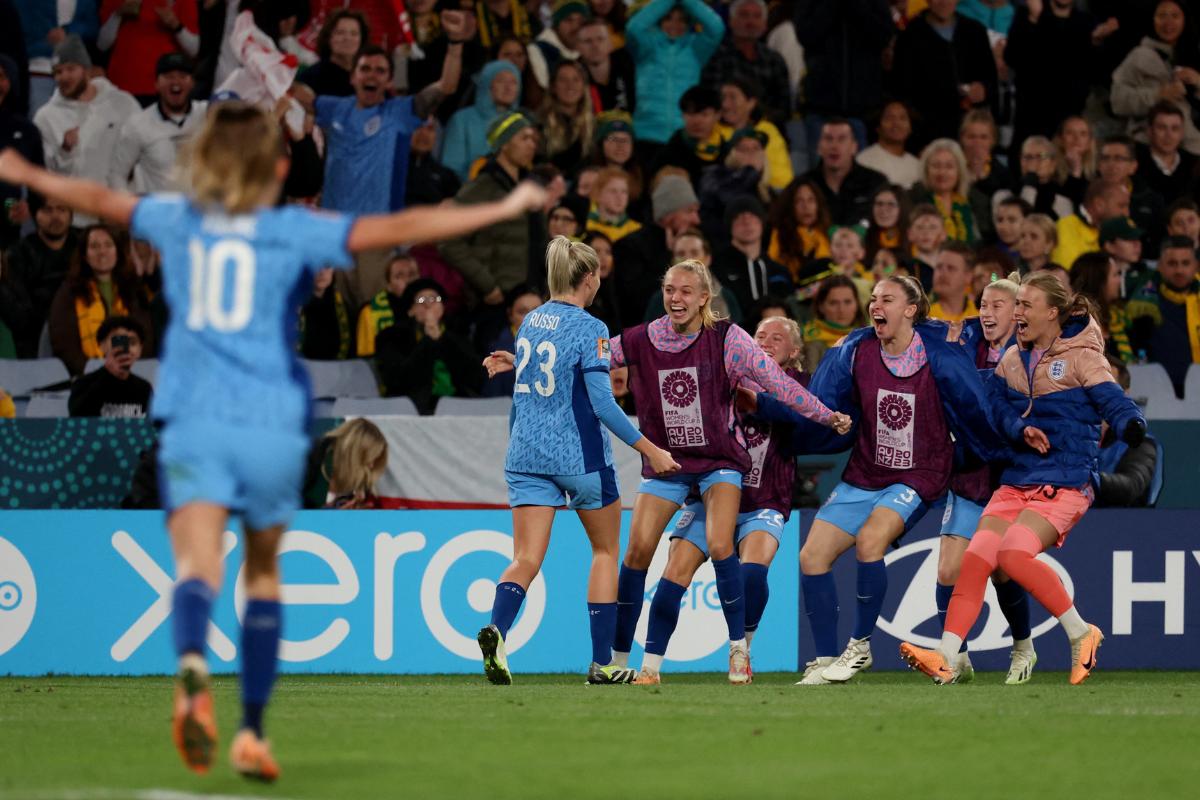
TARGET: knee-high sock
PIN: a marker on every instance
(1014, 604)
(602, 619)
(732, 594)
(978, 563)
(872, 587)
(631, 591)
(664, 616)
(509, 597)
(190, 610)
(821, 608)
(754, 577)
(1018, 559)
(260, 651)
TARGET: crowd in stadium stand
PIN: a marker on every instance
(802, 148)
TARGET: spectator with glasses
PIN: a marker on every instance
(425, 360)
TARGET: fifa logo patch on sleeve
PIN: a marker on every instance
(603, 352)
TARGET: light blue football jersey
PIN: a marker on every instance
(233, 285)
(554, 429)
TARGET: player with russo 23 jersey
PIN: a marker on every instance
(233, 399)
(558, 454)
(908, 389)
(683, 369)
(1050, 392)
(766, 506)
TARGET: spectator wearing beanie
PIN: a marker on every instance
(42, 26)
(641, 258)
(497, 91)
(17, 132)
(81, 124)
(137, 35)
(497, 258)
(557, 43)
(743, 266)
(148, 148)
(670, 41)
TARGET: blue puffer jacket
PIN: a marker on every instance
(1065, 395)
(666, 68)
(961, 390)
(466, 133)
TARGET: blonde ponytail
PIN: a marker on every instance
(568, 263)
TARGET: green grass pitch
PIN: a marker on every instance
(888, 735)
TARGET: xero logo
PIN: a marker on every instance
(18, 596)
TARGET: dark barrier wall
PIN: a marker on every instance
(1135, 574)
(87, 463)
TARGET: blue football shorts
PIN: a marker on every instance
(251, 471)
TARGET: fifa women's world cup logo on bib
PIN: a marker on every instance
(682, 415)
(757, 440)
(894, 429)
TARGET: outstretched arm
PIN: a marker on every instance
(88, 197)
(745, 359)
(432, 223)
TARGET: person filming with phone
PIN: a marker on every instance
(113, 391)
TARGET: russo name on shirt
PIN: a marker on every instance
(547, 322)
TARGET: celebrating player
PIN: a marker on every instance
(1053, 391)
(232, 398)
(765, 506)
(985, 338)
(912, 389)
(558, 455)
(683, 369)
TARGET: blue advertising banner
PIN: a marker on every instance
(1135, 574)
(89, 592)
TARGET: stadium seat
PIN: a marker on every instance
(342, 378)
(1191, 390)
(48, 404)
(473, 407)
(20, 377)
(1151, 387)
(374, 407)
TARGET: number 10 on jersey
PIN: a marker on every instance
(206, 302)
(546, 353)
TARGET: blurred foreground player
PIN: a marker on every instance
(233, 399)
